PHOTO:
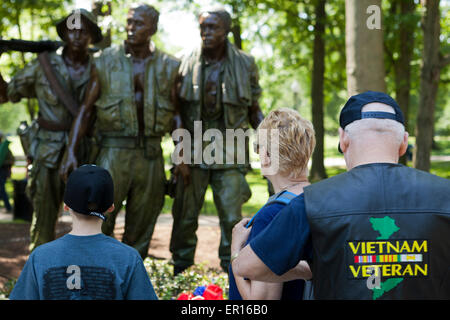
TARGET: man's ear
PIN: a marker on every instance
(111, 209)
(404, 145)
(66, 207)
(153, 28)
(343, 140)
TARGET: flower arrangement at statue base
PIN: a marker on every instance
(209, 292)
(170, 287)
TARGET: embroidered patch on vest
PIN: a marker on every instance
(386, 261)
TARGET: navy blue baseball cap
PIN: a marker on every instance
(89, 191)
(352, 109)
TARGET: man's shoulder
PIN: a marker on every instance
(237, 53)
(328, 181)
(427, 175)
(29, 70)
(168, 58)
(113, 52)
(190, 58)
(245, 55)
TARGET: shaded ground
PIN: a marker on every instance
(14, 241)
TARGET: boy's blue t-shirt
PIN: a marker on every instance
(95, 267)
(292, 290)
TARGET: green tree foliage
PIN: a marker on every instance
(28, 20)
(279, 33)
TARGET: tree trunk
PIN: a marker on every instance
(236, 26)
(429, 82)
(97, 11)
(317, 168)
(364, 47)
(403, 63)
(236, 31)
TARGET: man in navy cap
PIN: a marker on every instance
(378, 231)
(85, 264)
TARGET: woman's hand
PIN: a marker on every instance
(240, 235)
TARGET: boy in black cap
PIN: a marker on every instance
(85, 264)
(378, 231)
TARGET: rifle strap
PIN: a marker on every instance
(49, 72)
(53, 125)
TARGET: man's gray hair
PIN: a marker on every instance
(223, 15)
(358, 129)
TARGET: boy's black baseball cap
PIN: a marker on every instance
(89, 191)
(352, 109)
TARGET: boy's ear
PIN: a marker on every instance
(66, 207)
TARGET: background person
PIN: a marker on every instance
(85, 264)
(377, 231)
(6, 163)
(296, 142)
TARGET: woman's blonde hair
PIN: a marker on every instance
(296, 140)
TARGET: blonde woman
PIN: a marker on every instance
(284, 157)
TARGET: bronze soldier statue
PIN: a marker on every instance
(132, 96)
(69, 68)
(219, 87)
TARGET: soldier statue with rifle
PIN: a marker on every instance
(218, 88)
(58, 80)
(132, 97)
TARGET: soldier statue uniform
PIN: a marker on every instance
(71, 65)
(221, 91)
(132, 92)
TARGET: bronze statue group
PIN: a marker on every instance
(376, 231)
(113, 107)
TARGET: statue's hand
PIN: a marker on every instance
(183, 171)
(68, 164)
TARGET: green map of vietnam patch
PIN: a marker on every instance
(386, 227)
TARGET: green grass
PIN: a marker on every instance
(15, 146)
(443, 147)
(441, 169)
(260, 194)
(16, 221)
(331, 147)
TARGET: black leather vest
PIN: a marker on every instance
(380, 231)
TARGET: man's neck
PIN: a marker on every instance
(369, 156)
(75, 57)
(214, 55)
(139, 51)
